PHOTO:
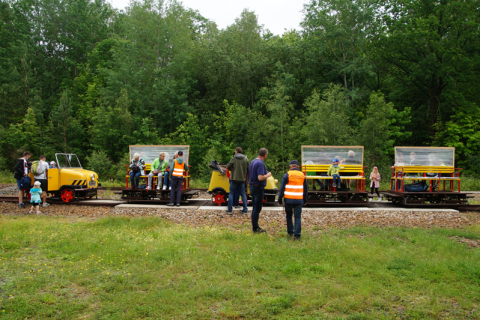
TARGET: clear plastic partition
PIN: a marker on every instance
(326, 154)
(150, 153)
(425, 156)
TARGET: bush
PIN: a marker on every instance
(99, 162)
(204, 171)
(120, 171)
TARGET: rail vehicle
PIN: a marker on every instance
(316, 161)
(219, 186)
(149, 153)
(426, 176)
(70, 181)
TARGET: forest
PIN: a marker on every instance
(82, 77)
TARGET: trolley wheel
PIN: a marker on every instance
(219, 198)
(67, 195)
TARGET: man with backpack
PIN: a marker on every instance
(21, 171)
(40, 172)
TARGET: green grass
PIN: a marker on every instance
(7, 177)
(125, 268)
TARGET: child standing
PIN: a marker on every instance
(334, 171)
(35, 195)
(375, 182)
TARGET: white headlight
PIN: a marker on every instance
(93, 177)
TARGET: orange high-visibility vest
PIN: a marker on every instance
(294, 188)
(178, 169)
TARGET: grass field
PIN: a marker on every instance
(125, 268)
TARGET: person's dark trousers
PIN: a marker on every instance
(375, 190)
(134, 178)
(257, 202)
(176, 189)
(237, 188)
(296, 210)
(166, 180)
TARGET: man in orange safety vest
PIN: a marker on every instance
(294, 190)
(177, 168)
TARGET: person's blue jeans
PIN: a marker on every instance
(296, 210)
(337, 180)
(166, 180)
(176, 191)
(134, 178)
(237, 189)
(256, 192)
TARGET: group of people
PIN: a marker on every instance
(38, 193)
(171, 174)
(293, 190)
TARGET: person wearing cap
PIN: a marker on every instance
(35, 199)
(52, 165)
(294, 190)
(334, 171)
(257, 177)
(177, 168)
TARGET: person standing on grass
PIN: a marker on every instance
(258, 176)
(294, 189)
(177, 169)
(238, 165)
(375, 182)
(43, 178)
(21, 170)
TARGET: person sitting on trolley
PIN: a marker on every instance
(137, 169)
(334, 171)
(156, 169)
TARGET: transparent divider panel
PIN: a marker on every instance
(150, 153)
(425, 156)
(325, 155)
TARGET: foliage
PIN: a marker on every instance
(99, 162)
(79, 76)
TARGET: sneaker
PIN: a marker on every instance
(259, 230)
(297, 238)
(170, 204)
(178, 204)
(228, 212)
(38, 212)
(21, 205)
(46, 204)
(244, 211)
(158, 188)
(149, 188)
(169, 188)
(334, 185)
(380, 199)
(164, 188)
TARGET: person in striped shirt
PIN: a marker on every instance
(294, 191)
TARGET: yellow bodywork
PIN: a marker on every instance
(78, 177)
(219, 180)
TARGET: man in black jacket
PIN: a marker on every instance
(21, 170)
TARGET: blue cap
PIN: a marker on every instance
(294, 162)
(335, 160)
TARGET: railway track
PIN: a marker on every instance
(206, 202)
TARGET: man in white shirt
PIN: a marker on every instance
(43, 178)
